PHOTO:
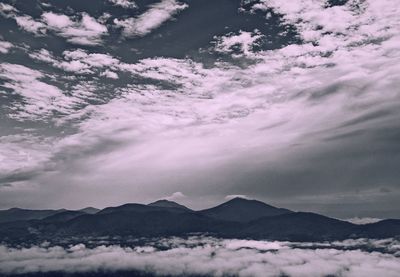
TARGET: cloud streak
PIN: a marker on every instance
(153, 18)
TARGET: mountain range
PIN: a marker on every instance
(236, 218)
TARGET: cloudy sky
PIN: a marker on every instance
(295, 103)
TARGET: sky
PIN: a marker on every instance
(295, 103)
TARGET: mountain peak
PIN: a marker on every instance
(245, 201)
(89, 210)
(243, 210)
(15, 209)
(241, 199)
(164, 203)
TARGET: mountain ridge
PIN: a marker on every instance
(233, 210)
(168, 204)
(236, 218)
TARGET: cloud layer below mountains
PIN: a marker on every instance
(208, 256)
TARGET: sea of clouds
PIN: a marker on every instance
(208, 256)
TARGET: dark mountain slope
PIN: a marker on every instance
(141, 208)
(168, 204)
(63, 216)
(299, 226)
(243, 210)
(382, 229)
(152, 223)
(16, 214)
(89, 210)
(155, 220)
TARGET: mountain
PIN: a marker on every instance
(243, 210)
(160, 205)
(382, 229)
(137, 208)
(140, 224)
(168, 204)
(15, 214)
(299, 226)
(64, 216)
(237, 218)
(89, 210)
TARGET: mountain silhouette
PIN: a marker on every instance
(63, 216)
(89, 210)
(168, 204)
(299, 226)
(236, 218)
(243, 210)
(15, 214)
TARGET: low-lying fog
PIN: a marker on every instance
(207, 256)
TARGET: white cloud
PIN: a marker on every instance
(5, 46)
(215, 115)
(109, 74)
(84, 31)
(239, 45)
(43, 55)
(57, 21)
(232, 196)
(363, 220)
(79, 61)
(25, 22)
(91, 59)
(30, 25)
(126, 4)
(202, 256)
(41, 99)
(87, 31)
(175, 196)
(154, 17)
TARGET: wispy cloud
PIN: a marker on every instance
(81, 29)
(41, 99)
(86, 31)
(153, 18)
